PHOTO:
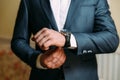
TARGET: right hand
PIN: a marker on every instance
(48, 37)
(53, 59)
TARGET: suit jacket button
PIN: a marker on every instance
(84, 51)
(89, 51)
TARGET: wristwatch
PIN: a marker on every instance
(67, 35)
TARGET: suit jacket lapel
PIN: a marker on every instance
(47, 9)
(71, 11)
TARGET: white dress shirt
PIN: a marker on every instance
(60, 10)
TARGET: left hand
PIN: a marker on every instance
(48, 37)
(53, 59)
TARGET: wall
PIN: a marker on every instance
(8, 11)
(115, 9)
(115, 6)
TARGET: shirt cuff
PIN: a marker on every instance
(38, 65)
(73, 42)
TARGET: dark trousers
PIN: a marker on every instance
(39, 74)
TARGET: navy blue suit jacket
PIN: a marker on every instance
(88, 20)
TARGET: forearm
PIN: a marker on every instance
(24, 52)
(21, 36)
(103, 38)
(95, 43)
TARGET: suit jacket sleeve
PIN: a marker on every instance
(104, 38)
(21, 36)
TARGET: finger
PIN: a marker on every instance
(54, 66)
(42, 36)
(49, 65)
(47, 44)
(44, 48)
(60, 61)
(54, 60)
(58, 53)
(38, 33)
(57, 56)
(43, 41)
(49, 59)
(33, 39)
(51, 62)
(62, 58)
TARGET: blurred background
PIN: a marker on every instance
(12, 68)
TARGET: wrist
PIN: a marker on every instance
(42, 62)
(38, 63)
(67, 36)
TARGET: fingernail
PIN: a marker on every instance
(33, 39)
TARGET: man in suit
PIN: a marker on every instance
(67, 33)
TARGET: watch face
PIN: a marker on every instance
(65, 32)
(67, 35)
